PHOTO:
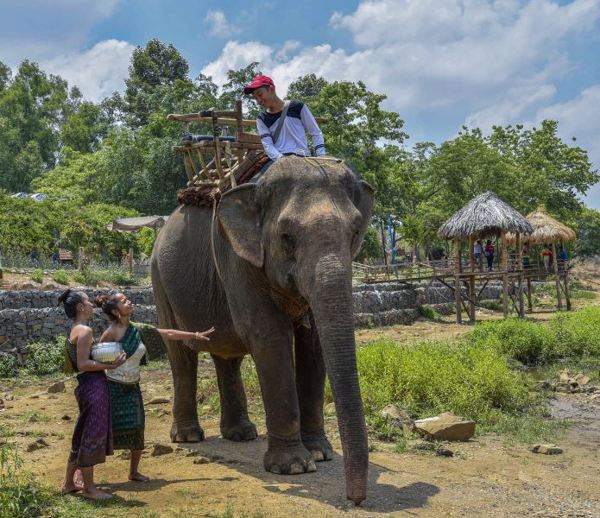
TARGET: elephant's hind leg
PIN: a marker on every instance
(310, 385)
(235, 423)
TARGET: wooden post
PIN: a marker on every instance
(504, 270)
(528, 276)
(80, 259)
(519, 266)
(566, 281)
(555, 268)
(471, 281)
(457, 289)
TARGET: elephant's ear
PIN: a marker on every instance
(364, 202)
(239, 218)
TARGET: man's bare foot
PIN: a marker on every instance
(95, 494)
(138, 477)
(70, 488)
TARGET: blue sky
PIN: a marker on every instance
(442, 63)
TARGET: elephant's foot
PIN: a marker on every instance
(244, 430)
(288, 458)
(318, 446)
(187, 432)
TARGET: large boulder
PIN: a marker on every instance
(398, 418)
(446, 427)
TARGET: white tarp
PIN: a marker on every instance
(133, 224)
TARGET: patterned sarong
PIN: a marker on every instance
(127, 407)
(92, 437)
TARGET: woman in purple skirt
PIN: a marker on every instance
(92, 437)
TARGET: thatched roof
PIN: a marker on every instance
(545, 230)
(485, 215)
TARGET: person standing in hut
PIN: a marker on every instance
(92, 437)
(489, 252)
(477, 252)
(127, 407)
(547, 258)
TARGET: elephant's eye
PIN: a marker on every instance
(288, 243)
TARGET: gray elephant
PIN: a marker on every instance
(281, 251)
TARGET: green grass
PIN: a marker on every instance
(46, 357)
(61, 276)
(428, 312)
(583, 294)
(37, 275)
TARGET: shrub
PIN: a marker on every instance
(37, 275)
(428, 312)
(432, 377)
(8, 366)
(61, 276)
(121, 278)
(89, 277)
(526, 342)
(577, 333)
(46, 358)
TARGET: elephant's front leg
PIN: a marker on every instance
(235, 423)
(184, 366)
(310, 385)
(272, 352)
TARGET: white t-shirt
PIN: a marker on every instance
(292, 137)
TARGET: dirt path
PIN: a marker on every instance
(484, 478)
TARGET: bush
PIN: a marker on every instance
(527, 342)
(121, 278)
(89, 277)
(46, 358)
(37, 275)
(61, 276)
(8, 366)
(432, 377)
(577, 333)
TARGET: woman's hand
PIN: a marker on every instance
(120, 360)
(203, 335)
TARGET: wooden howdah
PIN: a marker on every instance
(218, 162)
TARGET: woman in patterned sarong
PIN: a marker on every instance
(127, 407)
(92, 437)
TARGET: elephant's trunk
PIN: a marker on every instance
(330, 298)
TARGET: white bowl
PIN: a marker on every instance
(106, 352)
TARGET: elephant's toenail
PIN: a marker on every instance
(275, 469)
(296, 469)
(311, 467)
(317, 455)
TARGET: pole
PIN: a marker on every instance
(457, 292)
(504, 269)
(471, 281)
(557, 278)
(520, 275)
(130, 261)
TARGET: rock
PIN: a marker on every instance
(29, 285)
(201, 460)
(564, 377)
(159, 401)
(66, 417)
(37, 445)
(47, 286)
(547, 449)
(206, 409)
(399, 418)
(125, 455)
(562, 386)
(161, 449)
(329, 409)
(59, 386)
(9, 397)
(446, 427)
(162, 413)
(444, 452)
(581, 379)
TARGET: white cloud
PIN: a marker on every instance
(218, 25)
(97, 72)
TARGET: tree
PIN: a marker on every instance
(588, 233)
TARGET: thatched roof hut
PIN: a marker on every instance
(545, 230)
(484, 216)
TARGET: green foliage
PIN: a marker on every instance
(46, 357)
(428, 312)
(61, 276)
(37, 275)
(588, 233)
(577, 333)
(370, 248)
(89, 277)
(121, 278)
(526, 342)
(147, 236)
(431, 377)
(8, 366)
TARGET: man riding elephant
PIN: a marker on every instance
(275, 252)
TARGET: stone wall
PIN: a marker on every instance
(31, 315)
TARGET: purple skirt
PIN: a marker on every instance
(92, 437)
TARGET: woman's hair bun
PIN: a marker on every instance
(63, 296)
(100, 300)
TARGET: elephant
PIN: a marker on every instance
(271, 269)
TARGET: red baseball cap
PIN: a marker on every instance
(257, 82)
